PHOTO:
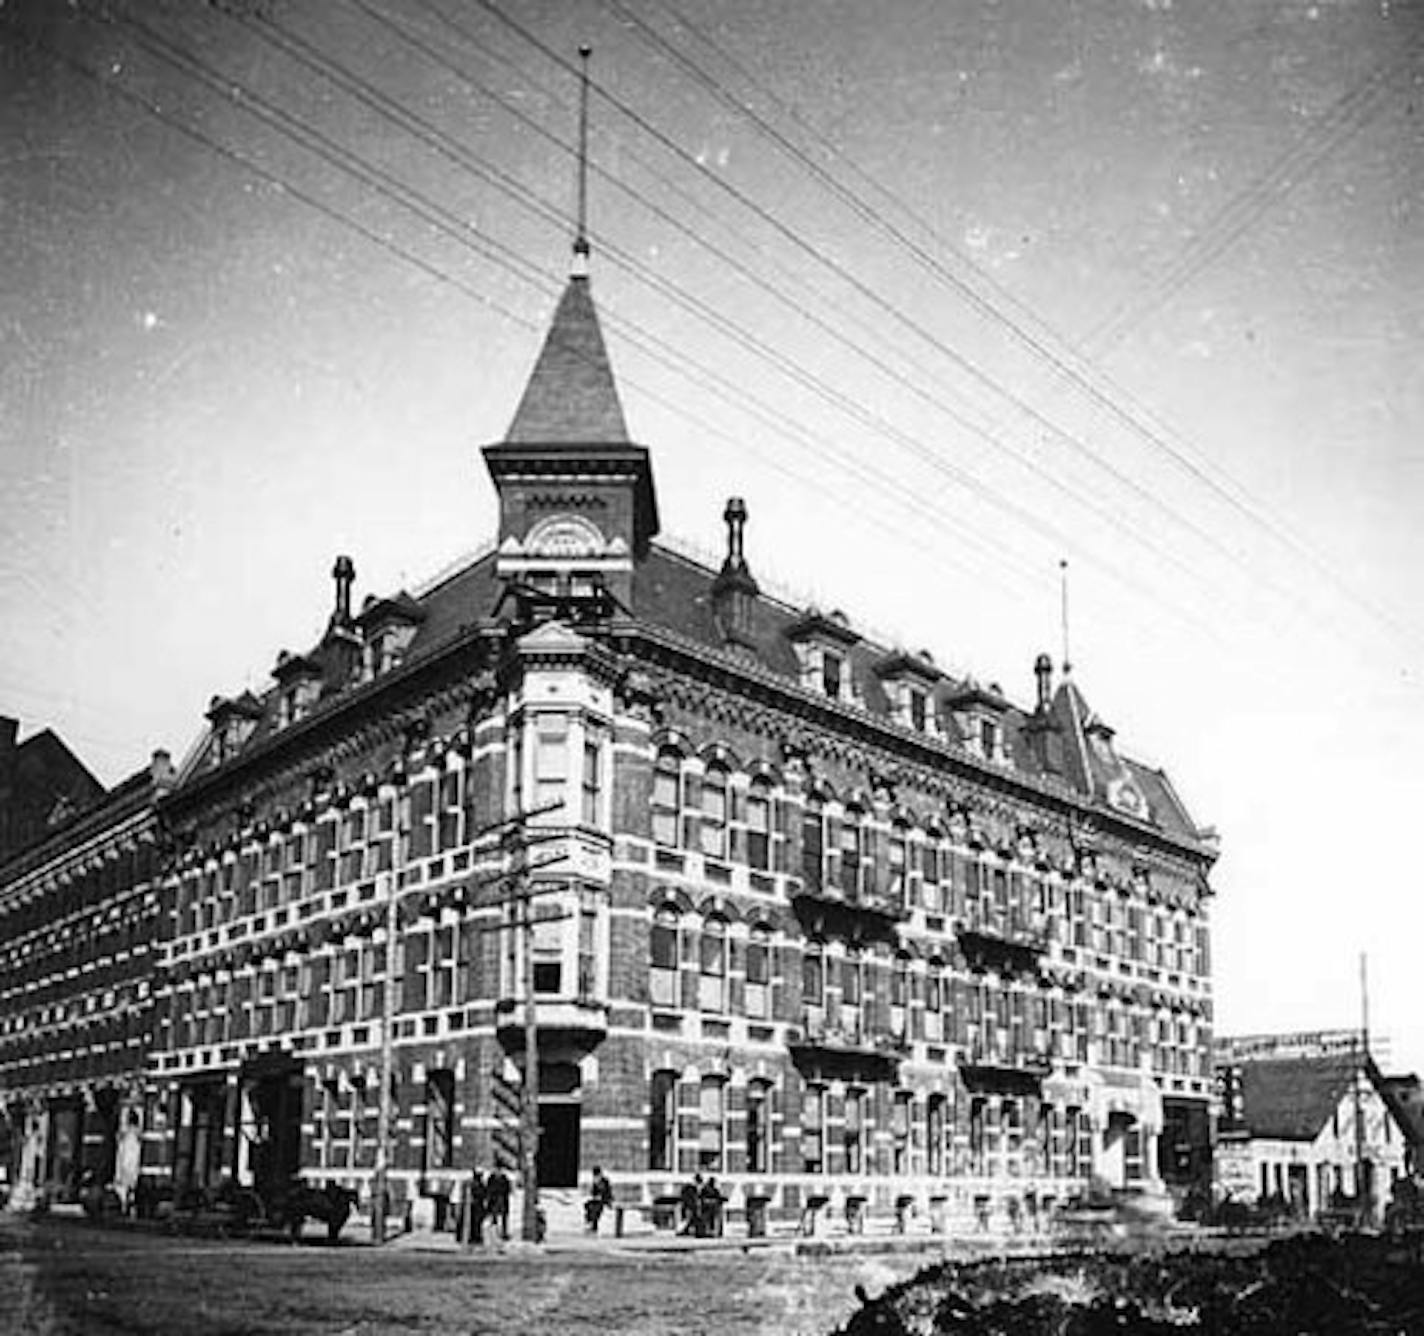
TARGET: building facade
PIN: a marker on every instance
(791, 908)
(1310, 1125)
(79, 922)
(808, 914)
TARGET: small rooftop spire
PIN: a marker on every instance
(1063, 580)
(581, 248)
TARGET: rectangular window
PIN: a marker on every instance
(851, 846)
(935, 1133)
(666, 788)
(551, 765)
(918, 711)
(712, 989)
(832, 674)
(714, 812)
(853, 1131)
(813, 980)
(713, 1117)
(593, 781)
(662, 1121)
(813, 1129)
(900, 1133)
(813, 852)
(548, 958)
(759, 827)
(758, 1127)
(662, 977)
(758, 978)
(450, 809)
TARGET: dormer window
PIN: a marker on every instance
(387, 625)
(298, 687)
(233, 721)
(823, 643)
(909, 679)
(979, 716)
(918, 708)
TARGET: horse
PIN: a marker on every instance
(331, 1204)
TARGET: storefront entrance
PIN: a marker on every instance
(269, 1142)
(560, 1112)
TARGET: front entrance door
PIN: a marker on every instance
(270, 1145)
(558, 1143)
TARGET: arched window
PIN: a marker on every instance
(932, 871)
(758, 992)
(662, 1121)
(759, 823)
(813, 977)
(853, 1131)
(900, 996)
(712, 961)
(712, 1137)
(714, 811)
(935, 1132)
(852, 845)
(813, 1129)
(663, 958)
(897, 887)
(934, 1001)
(758, 1127)
(813, 844)
(667, 787)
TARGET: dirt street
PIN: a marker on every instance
(62, 1278)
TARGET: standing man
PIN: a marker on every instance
(497, 1191)
(476, 1201)
(600, 1197)
(691, 1202)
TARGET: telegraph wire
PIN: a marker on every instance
(457, 232)
(899, 317)
(1134, 416)
(1346, 118)
(376, 178)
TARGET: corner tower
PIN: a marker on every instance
(576, 500)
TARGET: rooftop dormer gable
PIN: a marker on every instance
(909, 681)
(822, 642)
(387, 626)
(979, 714)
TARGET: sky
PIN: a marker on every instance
(950, 293)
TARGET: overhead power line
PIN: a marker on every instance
(1043, 341)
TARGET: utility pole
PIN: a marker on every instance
(1363, 1193)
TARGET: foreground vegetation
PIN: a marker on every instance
(1307, 1284)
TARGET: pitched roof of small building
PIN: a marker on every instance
(1291, 1099)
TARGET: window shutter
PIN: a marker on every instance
(689, 989)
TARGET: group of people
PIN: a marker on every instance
(701, 1204)
(486, 1202)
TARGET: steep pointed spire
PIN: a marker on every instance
(571, 398)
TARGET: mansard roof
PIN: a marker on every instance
(674, 593)
(571, 398)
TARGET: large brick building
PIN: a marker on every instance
(810, 914)
(79, 923)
